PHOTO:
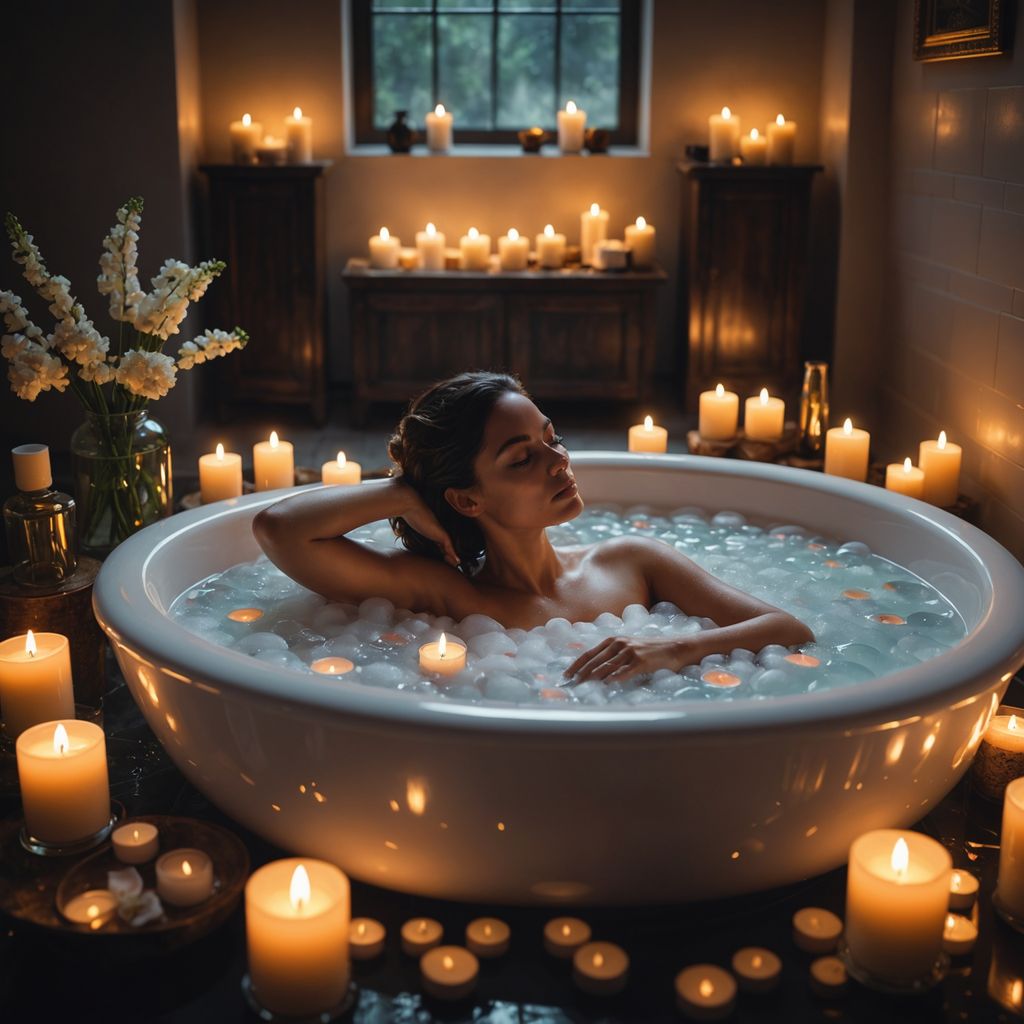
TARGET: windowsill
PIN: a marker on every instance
(478, 150)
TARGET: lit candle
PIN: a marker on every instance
(430, 246)
(94, 907)
(135, 843)
(719, 414)
(600, 968)
(366, 938)
(571, 124)
(1009, 895)
(245, 614)
(35, 680)
(781, 141)
(725, 136)
(816, 930)
(449, 972)
(754, 148)
(1000, 757)
(341, 470)
(439, 130)
(640, 239)
(940, 462)
(764, 417)
(904, 478)
(421, 934)
(384, 250)
(963, 890)
(245, 137)
(959, 935)
(646, 437)
(271, 151)
(444, 656)
(474, 250)
(220, 475)
(513, 251)
(298, 136)
(488, 937)
(273, 463)
(828, 977)
(757, 969)
(333, 666)
(705, 992)
(184, 877)
(564, 935)
(550, 248)
(846, 451)
(408, 258)
(62, 768)
(897, 892)
(296, 926)
(593, 229)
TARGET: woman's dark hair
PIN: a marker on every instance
(434, 448)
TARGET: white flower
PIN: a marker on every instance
(119, 278)
(150, 374)
(78, 340)
(16, 316)
(97, 373)
(32, 368)
(54, 289)
(209, 345)
(161, 311)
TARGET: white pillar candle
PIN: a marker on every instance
(705, 992)
(571, 124)
(846, 451)
(439, 130)
(904, 478)
(600, 968)
(897, 892)
(488, 937)
(513, 251)
(62, 768)
(135, 843)
(298, 137)
(245, 137)
(724, 131)
(646, 437)
(184, 877)
(220, 475)
(449, 972)
(593, 229)
(1009, 896)
(550, 248)
(640, 237)
(959, 935)
(564, 935)
(781, 141)
(35, 681)
(384, 250)
(719, 414)
(816, 930)
(940, 462)
(444, 656)
(963, 890)
(341, 470)
(421, 934)
(754, 148)
(756, 969)
(296, 926)
(764, 417)
(474, 251)
(430, 246)
(366, 938)
(273, 463)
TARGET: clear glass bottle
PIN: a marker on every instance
(39, 522)
(814, 410)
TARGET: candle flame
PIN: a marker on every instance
(648, 424)
(439, 110)
(60, 739)
(384, 234)
(487, 930)
(900, 859)
(570, 107)
(755, 134)
(565, 930)
(598, 960)
(756, 961)
(92, 911)
(135, 834)
(30, 644)
(422, 927)
(341, 460)
(298, 891)
(274, 442)
(431, 230)
(706, 987)
(297, 113)
(361, 928)
(186, 868)
(950, 923)
(595, 209)
(726, 113)
(955, 882)
(719, 391)
(847, 426)
(907, 465)
(780, 120)
(512, 234)
(942, 439)
(473, 233)
(247, 120)
(447, 962)
(764, 396)
(1012, 724)
(442, 646)
(549, 230)
(641, 223)
(220, 452)
(1017, 992)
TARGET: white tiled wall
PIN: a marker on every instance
(956, 297)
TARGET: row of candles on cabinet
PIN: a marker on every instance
(249, 145)
(776, 146)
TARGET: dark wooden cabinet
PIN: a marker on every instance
(267, 223)
(570, 334)
(744, 259)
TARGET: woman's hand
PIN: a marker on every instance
(621, 657)
(416, 513)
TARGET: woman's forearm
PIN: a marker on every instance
(750, 635)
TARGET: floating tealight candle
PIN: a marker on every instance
(421, 934)
(803, 660)
(816, 930)
(444, 657)
(724, 680)
(959, 935)
(366, 938)
(757, 969)
(184, 877)
(94, 907)
(705, 992)
(487, 937)
(888, 619)
(828, 977)
(449, 972)
(135, 843)
(564, 935)
(600, 968)
(333, 666)
(245, 614)
(963, 890)
(646, 437)
(856, 595)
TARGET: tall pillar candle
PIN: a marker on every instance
(65, 791)
(298, 137)
(1009, 895)
(593, 229)
(571, 124)
(430, 245)
(513, 251)
(781, 141)
(246, 135)
(897, 892)
(640, 239)
(273, 463)
(35, 681)
(904, 478)
(384, 250)
(550, 249)
(474, 251)
(220, 475)
(297, 915)
(764, 417)
(724, 130)
(940, 462)
(439, 130)
(846, 451)
(719, 414)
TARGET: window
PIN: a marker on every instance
(498, 65)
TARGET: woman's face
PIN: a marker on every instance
(522, 469)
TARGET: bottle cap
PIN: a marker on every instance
(32, 467)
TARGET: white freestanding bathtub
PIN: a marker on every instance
(530, 805)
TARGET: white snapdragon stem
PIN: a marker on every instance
(210, 345)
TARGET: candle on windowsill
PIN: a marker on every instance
(940, 462)
(754, 148)
(571, 124)
(444, 657)
(298, 137)
(220, 475)
(439, 130)
(764, 417)
(245, 137)
(35, 681)
(385, 250)
(781, 141)
(846, 451)
(719, 414)
(136, 842)
(474, 250)
(550, 249)
(513, 251)
(904, 478)
(646, 437)
(724, 129)
(593, 229)
(341, 470)
(640, 238)
(705, 992)
(273, 463)
(430, 246)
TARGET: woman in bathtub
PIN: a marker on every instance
(480, 473)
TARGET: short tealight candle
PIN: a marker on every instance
(550, 248)
(816, 930)
(904, 478)
(366, 938)
(513, 251)
(705, 992)
(184, 877)
(341, 470)
(646, 437)
(963, 890)
(444, 657)
(449, 972)
(940, 462)
(959, 935)
(136, 843)
(764, 417)
(1000, 757)
(384, 250)
(245, 614)
(846, 451)
(332, 666)
(719, 414)
(273, 463)
(600, 968)
(94, 907)
(757, 969)
(828, 977)
(564, 935)
(421, 934)
(220, 475)
(488, 937)
(35, 681)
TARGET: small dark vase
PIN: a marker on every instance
(400, 135)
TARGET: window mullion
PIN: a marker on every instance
(558, 58)
(435, 73)
(494, 64)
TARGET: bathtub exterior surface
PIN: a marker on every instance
(535, 805)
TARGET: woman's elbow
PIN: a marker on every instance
(266, 528)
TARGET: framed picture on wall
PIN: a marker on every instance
(952, 29)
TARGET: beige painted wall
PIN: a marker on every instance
(955, 357)
(265, 57)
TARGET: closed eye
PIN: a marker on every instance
(557, 441)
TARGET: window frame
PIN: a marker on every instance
(361, 78)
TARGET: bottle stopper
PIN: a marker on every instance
(32, 467)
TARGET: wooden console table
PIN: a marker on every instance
(569, 334)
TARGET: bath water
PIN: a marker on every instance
(869, 616)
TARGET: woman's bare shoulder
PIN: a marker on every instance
(631, 546)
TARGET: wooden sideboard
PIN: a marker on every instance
(568, 334)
